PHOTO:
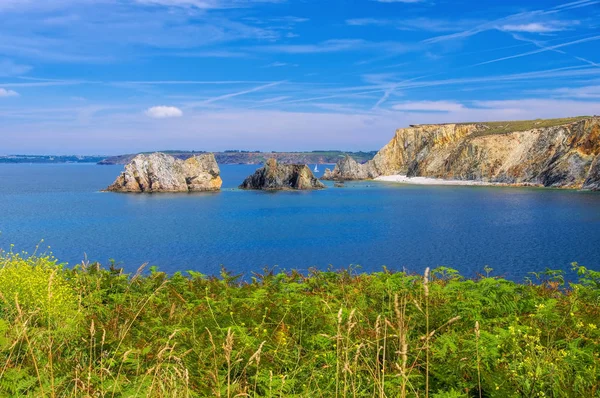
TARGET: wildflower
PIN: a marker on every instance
(592, 326)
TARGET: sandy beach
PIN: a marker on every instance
(402, 179)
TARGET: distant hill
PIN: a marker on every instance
(256, 157)
(49, 159)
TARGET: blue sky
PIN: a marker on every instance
(115, 76)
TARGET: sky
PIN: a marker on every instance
(122, 76)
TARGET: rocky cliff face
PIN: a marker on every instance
(274, 176)
(158, 172)
(550, 153)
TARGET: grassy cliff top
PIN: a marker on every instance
(510, 126)
(506, 127)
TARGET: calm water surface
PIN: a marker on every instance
(513, 230)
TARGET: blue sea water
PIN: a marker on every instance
(371, 224)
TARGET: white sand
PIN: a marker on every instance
(402, 179)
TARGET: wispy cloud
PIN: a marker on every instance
(538, 27)
(545, 46)
(206, 4)
(541, 50)
(102, 31)
(8, 93)
(208, 54)
(429, 106)
(278, 65)
(531, 20)
(585, 92)
(336, 45)
(400, 1)
(414, 24)
(10, 68)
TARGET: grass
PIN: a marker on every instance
(508, 127)
(90, 331)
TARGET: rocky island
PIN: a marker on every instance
(159, 172)
(563, 153)
(349, 169)
(276, 176)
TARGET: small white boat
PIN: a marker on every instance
(316, 169)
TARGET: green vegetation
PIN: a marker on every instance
(508, 127)
(94, 332)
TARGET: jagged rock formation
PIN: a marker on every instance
(274, 176)
(350, 169)
(159, 172)
(551, 153)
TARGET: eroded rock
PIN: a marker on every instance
(275, 176)
(349, 169)
(159, 172)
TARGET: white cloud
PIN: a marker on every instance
(8, 93)
(429, 106)
(161, 112)
(278, 65)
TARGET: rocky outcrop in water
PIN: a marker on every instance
(349, 169)
(159, 172)
(275, 176)
(551, 153)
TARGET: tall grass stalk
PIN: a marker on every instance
(426, 292)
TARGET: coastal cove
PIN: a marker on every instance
(366, 223)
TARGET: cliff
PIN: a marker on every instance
(275, 176)
(550, 153)
(159, 172)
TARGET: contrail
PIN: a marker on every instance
(231, 95)
(493, 24)
(541, 50)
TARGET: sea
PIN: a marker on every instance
(367, 226)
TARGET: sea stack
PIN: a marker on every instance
(349, 169)
(275, 176)
(159, 172)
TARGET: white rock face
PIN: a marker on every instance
(159, 172)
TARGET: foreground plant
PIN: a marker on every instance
(94, 332)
